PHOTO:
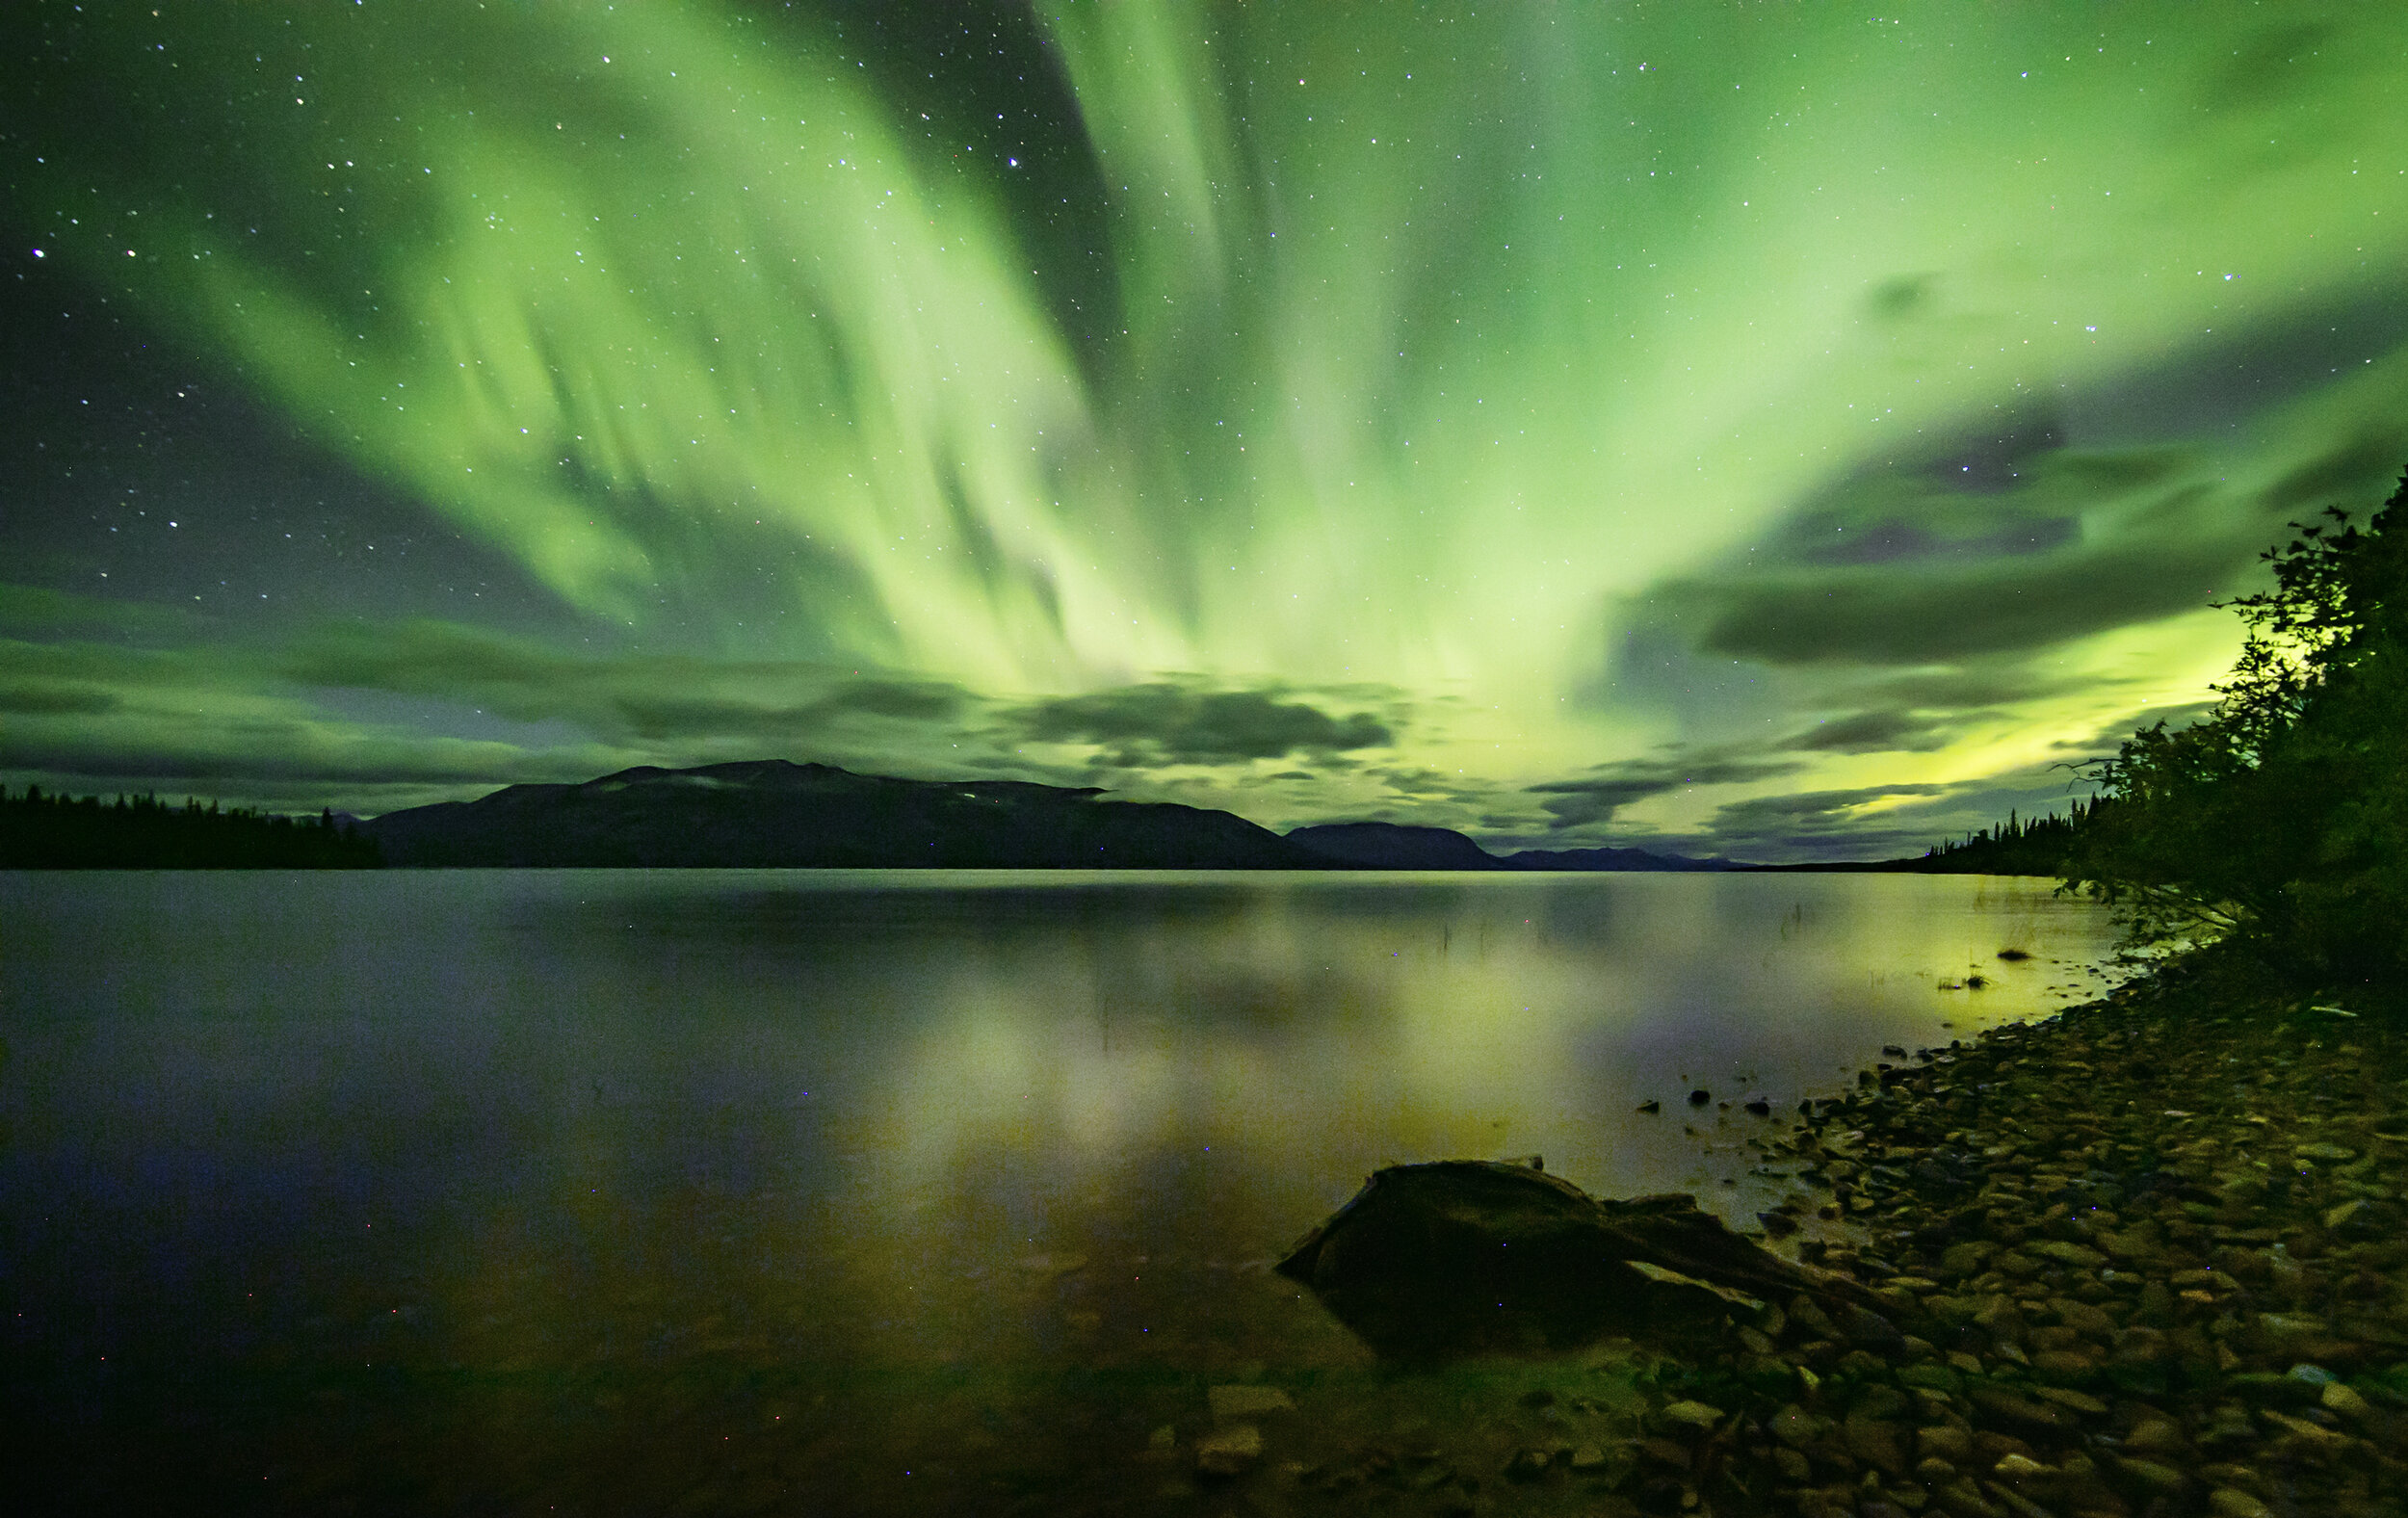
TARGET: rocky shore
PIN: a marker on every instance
(2148, 1255)
(2144, 1259)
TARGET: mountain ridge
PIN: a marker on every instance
(779, 813)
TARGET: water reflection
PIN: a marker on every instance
(574, 1154)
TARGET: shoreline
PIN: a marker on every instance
(2146, 1259)
(2152, 1247)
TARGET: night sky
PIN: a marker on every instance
(1779, 431)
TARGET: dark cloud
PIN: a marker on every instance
(1965, 687)
(1808, 809)
(1147, 726)
(1895, 539)
(1596, 797)
(57, 700)
(2169, 556)
(899, 700)
(2027, 528)
(2353, 472)
(1875, 732)
(2107, 739)
(655, 697)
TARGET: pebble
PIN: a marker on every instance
(1234, 1404)
(1230, 1451)
(2127, 1246)
(2231, 1502)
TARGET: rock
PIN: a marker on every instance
(1968, 1258)
(2151, 1478)
(2064, 1397)
(2014, 1411)
(2315, 1438)
(1700, 1097)
(1430, 1261)
(2015, 1501)
(1587, 1458)
(2231, 1502)
(1696, 1414)
(2081, 1257)
(1232, 1404)
(1870, 1330)
(2156, 1436)
(2341, 1402)
(1874, 1442)
(1932, 1378)
(1651, 1105)
(1231, 1450)
(2327, 1153)
(1797, 1427)
(2083, 1317)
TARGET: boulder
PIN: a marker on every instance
(1463, 1256)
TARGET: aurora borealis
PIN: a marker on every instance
(1776, 432)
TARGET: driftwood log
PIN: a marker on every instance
(1464, 1256)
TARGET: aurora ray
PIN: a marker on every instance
(1781, 434)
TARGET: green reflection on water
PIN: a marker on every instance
(532, 1176)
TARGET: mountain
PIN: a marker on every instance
(1392, 846)
(772, 813)
(1608, 860)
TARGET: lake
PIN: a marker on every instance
(836, 1190)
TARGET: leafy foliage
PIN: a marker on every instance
(2279, 824)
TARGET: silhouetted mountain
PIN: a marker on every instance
(771, 812)
(1609, 859)
(1392, 845)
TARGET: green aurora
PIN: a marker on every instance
(1779, 431)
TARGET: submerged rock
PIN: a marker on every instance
(1463, 1255)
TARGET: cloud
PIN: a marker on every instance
(57, 700)
(1800, 808)
(648, 697)
(1597, 798)
(2183, 551)
(1874, 732)
(356, 713)
(1819, 825)
(2003, 541)
(2109, 738)
(1152, 725)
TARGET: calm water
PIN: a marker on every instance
(772, 1190)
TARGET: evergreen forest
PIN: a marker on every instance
(141, 832)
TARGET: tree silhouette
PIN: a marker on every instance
(57, 832)
(2279, 823)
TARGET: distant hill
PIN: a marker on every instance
(1609, 859)
(771, 812)
(1393, 846)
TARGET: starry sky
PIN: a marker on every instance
(1786, 433)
